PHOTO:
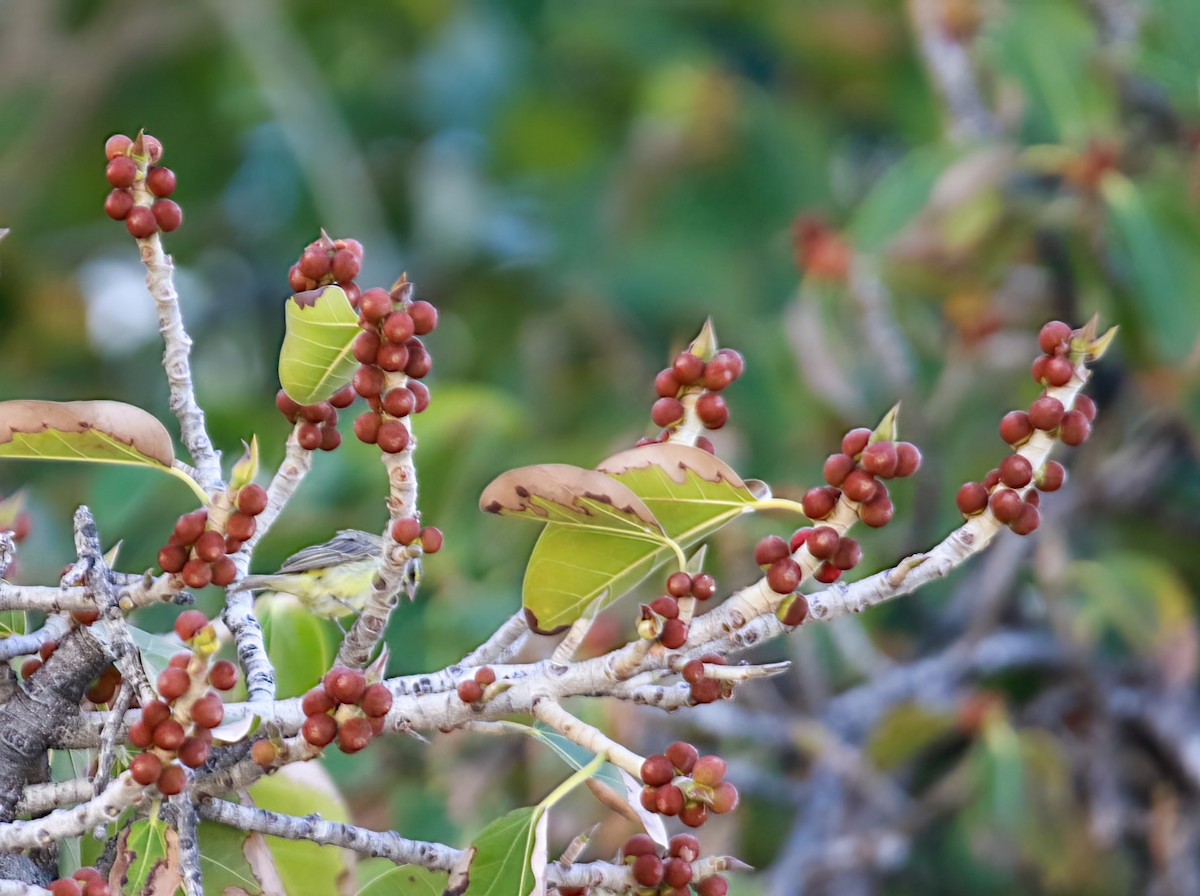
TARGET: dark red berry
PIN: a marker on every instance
(320, 730)
(330, 440)
(168, 735)
(674, 634)
(679, 584)
(1057, 371)
(345, 266)
(689, 369)
(145, 768)
(770, 549)
(432, 539)
(286, 405)
(376, 700)
(354, 735)
(1086, 406)
(392, 437)
(375, 304)
(908, 459)
(694, 815)
(992, 479)
(649, 799)
(1016, 471)
(398, 327)
(855, 441)
(657, 770)
(878, 511)
(683, 755)
(860, 486)
(172, 558)
(648, 870)
(161, 182)
(827, 573)
(156, 712)
(315, 262)
(837, 468)
(194, 752)
(118, 204)
(783, 576)
(252, 500)
(141, 735)
(1052, 476)
(666, 412)
(421, 392)
(308, 436)
(406, 530)
(704, 586)
(208, 711)
(1006, 505)
(822, 542)
(298, 282)
(665, 606)
(693, 671)
(666, 384)
(366, 427)
(316, 702)
(117, 145)
(1028, 519)
(424, 317)
(223, 675)
(392, 357)
(1046, 413)
(818, 503)
(141, 222)
(848, 554)
(1053, 335)
(173, 683)
(797, 611)
(669, 800)
(121, 172)
(713, 886)
(880, 459)
(470, 691)
(172, 780)
(677, 873)
(345, 685)
(706, 690)
(168, 215)
(972, 498)
(722, 370)
(1015, 427)
(712, 410)
(189, 622)
(366, 351)
(210, 546)
(419, 363)
(639, 845)
(1075, 428)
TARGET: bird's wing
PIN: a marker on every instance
(348, 544)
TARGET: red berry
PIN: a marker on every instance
(665, 606)
(392, 357)
(713, 886)
(797, 611)
(316, 702)
(908, 459)
(1057, 371)
(156, 712)
(286, 405)
(712, 410)
(648, 870)
(210, 546)
(722, 370)
(485, 675)
(783, 577)
(121, 172)
(1046, 413)
(992, 479)
(140, 735)
(375, 304)
(189, 622)
(679, 584)
(308, 436)
(315, 262)
(878, 511)
(1016, 471)
(345, 266)
(1028, 519)
(818, 503)
(666, 412)
(264, 753)
(152, 147)
(88, 876)
(666, 384)
(1053, 335)
(298, 282)
(709, 771)
(1015, 427)
(173, 683)
(694, 815)
(406, 530)
(105, 687)
(168, 215)
(392, 437)
(345, 685)
(377, 700)
(180, 661)
(693, 671)
(330, 440)
(421, 392)
(822, 542)
(725, 798)
(342, 398)
(837, 468)
(354, 735)
(366, 351)
(683, 755)
(47, 650)
(117, 145)
(704, 586)
(674, 634)
(1086, 406)
(398, 327)
(649, 799)
(860, 486)
(320, 730)
(424, 317)
(431, 539)
(172, 558)
(880, 459)
(470, 691)
(223, 675)
(669, 800)
(827, 573)
(419, 363)
(168, 735)
(706, 690)
(1052, 476)
(194, 752)
(657, 771)
(118, 204)
(366, 427)
(689, 369)
(848, 554)
(252, 500)
(172, 780)
(855, 441)
(1006, 505)
(972, 498)
(677, 873)
(770, 549)
(684, 846)
(208, 711)
(145, 768)
(639, 845)
(1075, 428)
(141, 223)
(161, 182)
(242, 527)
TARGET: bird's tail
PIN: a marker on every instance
(257, 583)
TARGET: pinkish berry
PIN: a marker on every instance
(689, 369)
(860, 486)
(679, 584)
(799, 537)
(783, 577)
(770, 549)
(1016, 471)
(666, 384)
(709, 771)
(818, 503)
(880, 459)
(1053, 335)
(161, 182)
(1075, 428)
(712, 410)
(1086, 406)
(1046, 413)
(683, 755)
(837, 468)
(848, 554)
(1057, 371)
(855, 441)
(908, 459)
(657, 771)
(666, 412)
(722, 370)
(823, 542)
(1052, 476)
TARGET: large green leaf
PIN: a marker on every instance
(317, 356)
(98, 432)
(382, 877)
(689, 491)
(899, 196)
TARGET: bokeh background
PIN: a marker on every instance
(577, 186)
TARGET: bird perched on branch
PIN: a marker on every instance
(331, 579)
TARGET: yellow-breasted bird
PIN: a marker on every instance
(331, 579)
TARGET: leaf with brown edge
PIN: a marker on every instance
(106, 432)
(571, 496)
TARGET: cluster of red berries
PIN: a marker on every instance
(657, 874)
(701, 786)
(345, 707)
(856, 473)
(662, 614)
(177, 726)
(391, 344)
(203, 556)
(407, 531)
(84, 882)
(1011, 490)
(471, 690)
(127, 164)
(704, 689)
(690, 373)
(326, 262)
(318, 431)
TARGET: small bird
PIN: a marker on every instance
(331, 579)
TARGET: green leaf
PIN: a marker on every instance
(99, 432)
(382, 877)
(904, 733)
(689, 491)
(317, 356)
(299, 644)
(1161, 250)
(899, 196)
(147, 859)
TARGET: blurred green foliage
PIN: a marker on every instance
(577, 186)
